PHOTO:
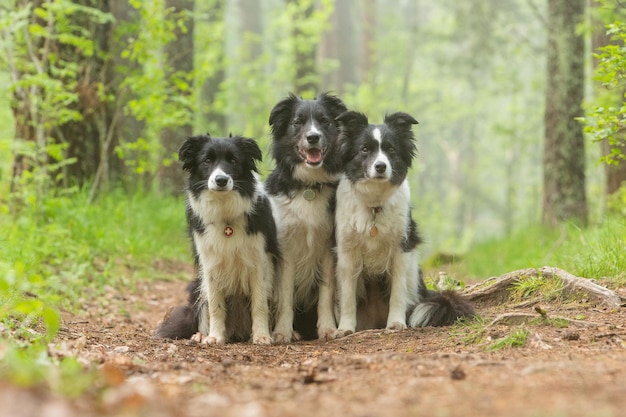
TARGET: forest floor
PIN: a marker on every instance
(578, 370)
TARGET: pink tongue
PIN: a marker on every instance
(313, 156)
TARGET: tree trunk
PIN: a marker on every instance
(125, 127)
(340, 43)
(564, 195)
(179, 58)
(83, 137)
(214, 120)
(305, 78)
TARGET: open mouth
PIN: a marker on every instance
(312, 156)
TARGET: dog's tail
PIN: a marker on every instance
(181, 322)
(439, 308)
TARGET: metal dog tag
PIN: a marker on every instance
(308, 194)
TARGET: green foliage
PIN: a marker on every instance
(606, 114)
(55, 254)
(44, 80)
(593, 252)
(162, 97)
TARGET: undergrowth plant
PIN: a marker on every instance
(55, 255)
(592, 252)
(516, 338)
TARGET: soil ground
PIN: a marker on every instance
(579, 370)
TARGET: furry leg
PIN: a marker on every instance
(217, 316)
(283, 330)
(347, 277)
(259, 307)
(399, 297)
(326, 325)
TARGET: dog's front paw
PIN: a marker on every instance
(208, 340)
(282, 337)
(198, 337)
(326, 333)
(262, 340)
(342, 333)
(396, 325)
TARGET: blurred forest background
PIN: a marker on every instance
(98, 95)
(521, 134)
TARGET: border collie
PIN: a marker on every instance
(378, 276)
(234, 244)
(302, 192)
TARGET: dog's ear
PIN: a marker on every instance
(190, 147)
(333, 103)
(250, 149)
(280, 116)
(400, 120)
(402, 123)
(352, 122)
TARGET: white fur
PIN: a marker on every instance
(304, 232)
(361, 256)
(213, 183)
(232, 265)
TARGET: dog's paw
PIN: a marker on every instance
(341, 333)
(197, 338)
(396, 325)
(208, 340)
(280, 337)
(326, 333)
(262, 340)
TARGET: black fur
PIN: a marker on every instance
(358, 145)
(289, 120)
(238, 155)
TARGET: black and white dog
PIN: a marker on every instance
(378, 276)
(234, 242)
(302, 192)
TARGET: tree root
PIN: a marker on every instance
(496, 290)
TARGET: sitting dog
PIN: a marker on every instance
(302, 192)
(378, 275)
(234, 244)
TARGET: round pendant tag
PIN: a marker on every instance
(308, 194)
(228, 231)
(373, 231)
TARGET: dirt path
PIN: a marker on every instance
(572, 371)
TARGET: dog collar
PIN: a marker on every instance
(310, 192)
(373, 228)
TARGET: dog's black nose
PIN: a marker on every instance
(221, 180)
(313, 138)
(380, 167)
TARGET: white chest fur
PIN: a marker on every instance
(372, 221)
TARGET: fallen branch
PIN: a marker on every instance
(516, 319)
(496, 290)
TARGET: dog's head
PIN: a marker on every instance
(382, 152)
(220, 164)
(305, 131)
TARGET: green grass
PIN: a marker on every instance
(516, 338)
(595, 252)
(58, 250)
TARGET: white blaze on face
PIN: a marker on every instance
(313, 130)
(220, 181)
(379, 160)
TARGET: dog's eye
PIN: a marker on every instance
(325, 121)
(208, 160)
(391, 150)
(296, 123)
(233, 160)
(365, 149)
